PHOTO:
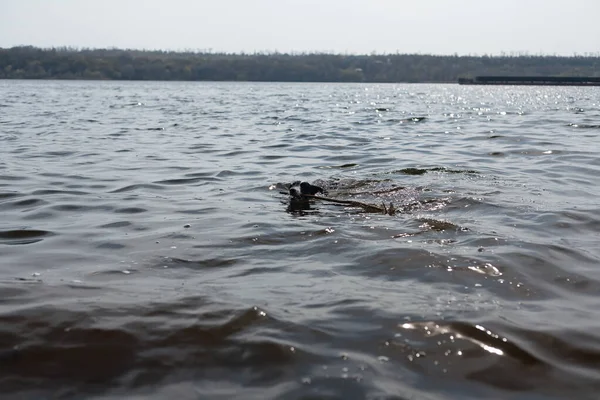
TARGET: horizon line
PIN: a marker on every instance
(209, 50)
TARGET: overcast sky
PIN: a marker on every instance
(340, 26)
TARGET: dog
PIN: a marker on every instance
(300, 196)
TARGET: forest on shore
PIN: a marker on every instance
(28, 62)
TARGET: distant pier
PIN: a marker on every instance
(531, 80)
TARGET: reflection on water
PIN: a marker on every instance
(147, 250)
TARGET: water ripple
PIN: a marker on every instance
(148, 251)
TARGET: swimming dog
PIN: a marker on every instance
(301, 192)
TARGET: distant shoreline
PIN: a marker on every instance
(531, 80)
(29, 62)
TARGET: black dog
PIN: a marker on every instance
(298, 190)
(300, 193)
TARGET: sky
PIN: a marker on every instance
(461, 27)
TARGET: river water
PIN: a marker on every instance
(146, 249)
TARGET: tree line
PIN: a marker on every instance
(27, 62)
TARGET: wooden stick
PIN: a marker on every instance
(367, 207)
(394, 189)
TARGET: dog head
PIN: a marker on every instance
(300, 189)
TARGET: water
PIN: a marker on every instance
(146, 251)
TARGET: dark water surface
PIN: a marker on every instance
(146, 251)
